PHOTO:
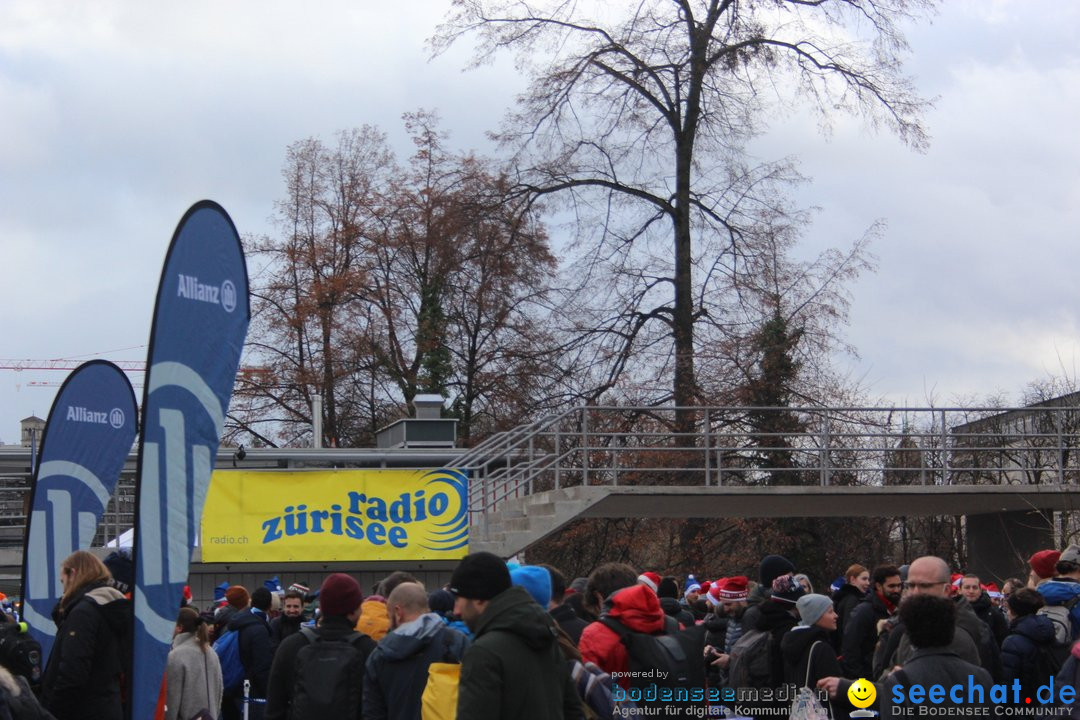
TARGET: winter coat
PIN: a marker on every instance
(992, 616)
(799, 650)
(673, 608)
(192, 679)
(283, 672)
(17, 700)
(374, 619)
(860, 636)
(88, 659)
(776, 619)
(569, 621)
(456, 625)
(638, 609)
(928, 667)
(845, 600)
(1059, 591)
(972, 642)
(282, 627)
(1018, 653)
(397, 670)
(255, 652)
(1070, 677)
(716, 627)
(514, 668)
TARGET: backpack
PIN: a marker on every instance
(1060, 618)
(329, 675)
(20, 652)
(666, 670)
(439, 700)
(751, 660)
(227, 648)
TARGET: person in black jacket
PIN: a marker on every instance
(88, 660)
(339, 600)
(290, 620)
(1029, 633)
(972, 590)
(256, 653)
(807, 650)
(847, 598)
(563, 614)
(861, 629)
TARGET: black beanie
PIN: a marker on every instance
(772, 567)
(668, 588)
(480, 576)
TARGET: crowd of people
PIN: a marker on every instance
(520, 641)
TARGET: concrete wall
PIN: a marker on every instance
(999, 544)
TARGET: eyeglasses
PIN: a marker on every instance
(924, 586)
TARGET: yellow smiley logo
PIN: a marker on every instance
(862, 693)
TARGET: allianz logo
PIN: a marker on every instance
(190, 288)
(115, 417)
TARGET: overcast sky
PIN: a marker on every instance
(115, 116)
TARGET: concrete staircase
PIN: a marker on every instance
(520, 522)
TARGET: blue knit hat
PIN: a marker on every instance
(536, 580)
(692, 585)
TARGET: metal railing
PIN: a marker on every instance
(718, 446)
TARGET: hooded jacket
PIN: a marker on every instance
(1026, 635)
(374, 619)
(1059, 591)
(638, 609)
(82, 678)
(255, 651)
(397, 669)
(514, 669)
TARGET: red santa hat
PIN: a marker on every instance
(733, 589)
(650, 580)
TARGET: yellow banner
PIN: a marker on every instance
(272, 516)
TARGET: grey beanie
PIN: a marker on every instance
(811, 608)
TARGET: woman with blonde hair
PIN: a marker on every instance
(88, 662)
(193, 674)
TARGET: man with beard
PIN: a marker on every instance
(290, 619)
(861, 629)
(973, 641)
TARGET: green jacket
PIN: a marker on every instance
(514, 668)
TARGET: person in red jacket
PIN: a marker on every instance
(639, 610)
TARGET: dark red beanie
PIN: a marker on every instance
(340, 595)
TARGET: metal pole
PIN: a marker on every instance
(585, 446)
(945, 479)
(706, 440)
(316, 421)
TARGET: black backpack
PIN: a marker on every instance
(20, 653)
(666, 670)
(329, 676)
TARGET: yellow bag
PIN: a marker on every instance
(439, 701)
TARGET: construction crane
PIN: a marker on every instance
(62, 364)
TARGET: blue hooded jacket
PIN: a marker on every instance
(1060, 591)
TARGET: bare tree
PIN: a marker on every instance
(638, 121)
